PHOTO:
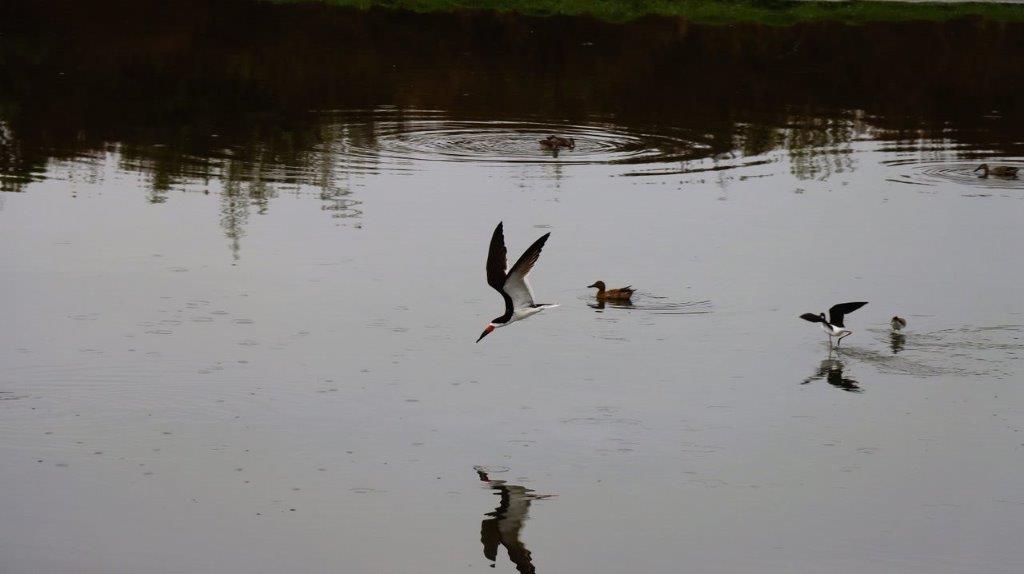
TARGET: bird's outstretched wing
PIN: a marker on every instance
(496, 259)
(811, 317)
(838, 311)
(516, 285)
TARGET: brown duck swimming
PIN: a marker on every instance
(997, 170)
(555, 142)
(621, 294)
(897, 323)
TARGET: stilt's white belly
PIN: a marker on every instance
(834, 331)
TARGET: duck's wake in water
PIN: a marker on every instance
(653, 304)
(399, 139)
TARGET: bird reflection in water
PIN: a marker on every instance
(896, 341)
(504, 525)
(600, 305)
(831, 370)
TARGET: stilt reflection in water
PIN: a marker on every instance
(831, 369)
(504, 525)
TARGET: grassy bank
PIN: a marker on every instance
(775, 12)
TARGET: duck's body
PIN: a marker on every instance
(555, 142)
(997, 170)
(620, 294)
(898, 323)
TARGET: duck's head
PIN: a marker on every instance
(983, 168)
(598, 284)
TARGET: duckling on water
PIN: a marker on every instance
(898, 323)
(620, 294)
(555, 142)
(997, 170)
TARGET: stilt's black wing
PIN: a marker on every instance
(811, 317)
(837, 312)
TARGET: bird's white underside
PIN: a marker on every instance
(835, 331)
(518, 288)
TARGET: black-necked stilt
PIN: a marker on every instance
(897, 323)
(834, 325)
(997, 170)
(513, 286)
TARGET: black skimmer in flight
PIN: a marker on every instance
(834, 325)
(898, 323)
(512, 285)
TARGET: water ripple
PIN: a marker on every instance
(406, 137)
(933, 173)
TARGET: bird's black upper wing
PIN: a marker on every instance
(811, 317)
(496, 259)
(837, 312)
(497, 262)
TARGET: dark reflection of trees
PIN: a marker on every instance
(201, 90)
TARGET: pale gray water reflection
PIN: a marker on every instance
(238, 315)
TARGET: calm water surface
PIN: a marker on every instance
(242, 257)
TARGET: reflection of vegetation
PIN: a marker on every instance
(194, 99)
(820, 147)
(772, 12)
(12, 179)
(338, 204)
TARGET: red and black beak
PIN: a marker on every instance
(486, 332)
